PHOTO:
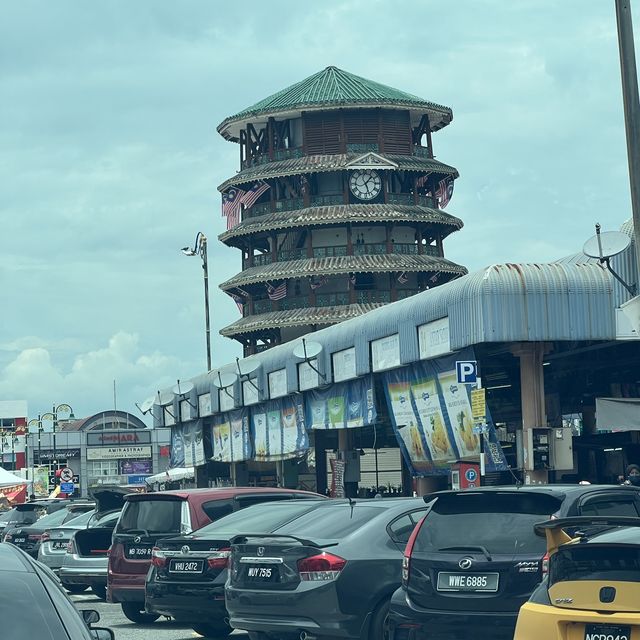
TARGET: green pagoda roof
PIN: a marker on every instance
(333, 87)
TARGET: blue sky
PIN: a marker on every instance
(109, 158)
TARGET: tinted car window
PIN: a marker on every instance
(53, 519)
(24, 589)
(26, 517)
(80, 520)
(247, 501)
(604, 507)
(216, 509)
(257, 519)
(334, 521)
(502, 523)
(152, 516)
(591, 562)
(400, 529)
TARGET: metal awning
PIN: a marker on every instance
(618, 414)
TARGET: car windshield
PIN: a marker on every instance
(151, 516)
(497, 522)
(80, 520)
(5, 516)
(26, 516)
(259, 518)
(331, 521)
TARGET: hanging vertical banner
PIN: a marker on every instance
(192, 437)
(278, 429)
(433, 418)
(345, 405)
(230, 436)
(176, 458)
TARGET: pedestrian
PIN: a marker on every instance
(632, 475)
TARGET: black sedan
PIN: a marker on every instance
(188, 573)
(51, 615)
(29, 536)
(328, 573)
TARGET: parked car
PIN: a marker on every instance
(147, 517)
(328, 573)
(475, 559)
(34, 605)
(591, 587)
(5, 516)
(54, 541)
(85, 561)
(187, 575)
(28, 537)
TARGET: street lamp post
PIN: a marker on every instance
(200, 249)
(53, 416)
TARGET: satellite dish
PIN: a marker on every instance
(182, 388)
(606, 244)
(248, 366)
(147, 404)
(306, 349)
(224, 380)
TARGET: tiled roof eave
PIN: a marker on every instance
(335, 162)
(342, 214)
(285, 270)
(296, 318)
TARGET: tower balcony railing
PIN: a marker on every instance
(400, 198)
(370, 249)
(331, 299)
(328, 200)
(263, 259)
(284, 255)
(421, 152)
(372, 297)
(290, 204)
(295, 302)
(278, 154)
(330, 252)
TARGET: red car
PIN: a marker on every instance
(147, 517)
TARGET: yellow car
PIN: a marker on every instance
(592, 587)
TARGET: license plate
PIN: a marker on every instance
(58, 546)
(186, 566)
(607, 632)
(468, 581)
(139, 552)
(19, 540)
(262, 574)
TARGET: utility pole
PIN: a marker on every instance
(631, 114)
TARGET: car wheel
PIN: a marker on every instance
(76, 588)
(220, 630)
(379, 629)
(100, 591)
(135, 612)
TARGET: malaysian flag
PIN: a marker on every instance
(239, 303)
(422, 180)
(444, 192)
(402, 278)
(251, 197)
(277, 293)
(317, 283)
(231, 200)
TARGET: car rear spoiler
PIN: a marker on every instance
(554, 530)
(244, 538)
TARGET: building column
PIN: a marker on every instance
(534, 416)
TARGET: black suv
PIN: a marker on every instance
(474, 559)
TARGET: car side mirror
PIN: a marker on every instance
(90, 616)
(103, 634)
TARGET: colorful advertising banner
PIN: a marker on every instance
(135, 467)
(176, 460)
(433, 419)
(278, 429)
(230, 436)
(192, 436)
(344, 405)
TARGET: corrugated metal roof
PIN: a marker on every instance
(334, 162)
(297, 317)
(341, 265)
(314, 216)
(334, 87)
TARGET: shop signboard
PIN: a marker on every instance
(278, 429)
(118, 453)
(385, 353)
(433, 418)
(343, 405)
(344, 364)
(128, 467)
(278, 383)
(231, 437)
(137, 480)
(113, 438)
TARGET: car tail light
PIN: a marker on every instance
(8, 537)
(158, 558)
(219, 559)
(45, 537)
(406, 559)
(545, 565)
(324, 566)
(71, 546)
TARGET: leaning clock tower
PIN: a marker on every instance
(337, 207)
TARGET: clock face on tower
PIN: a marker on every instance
(365, 184)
